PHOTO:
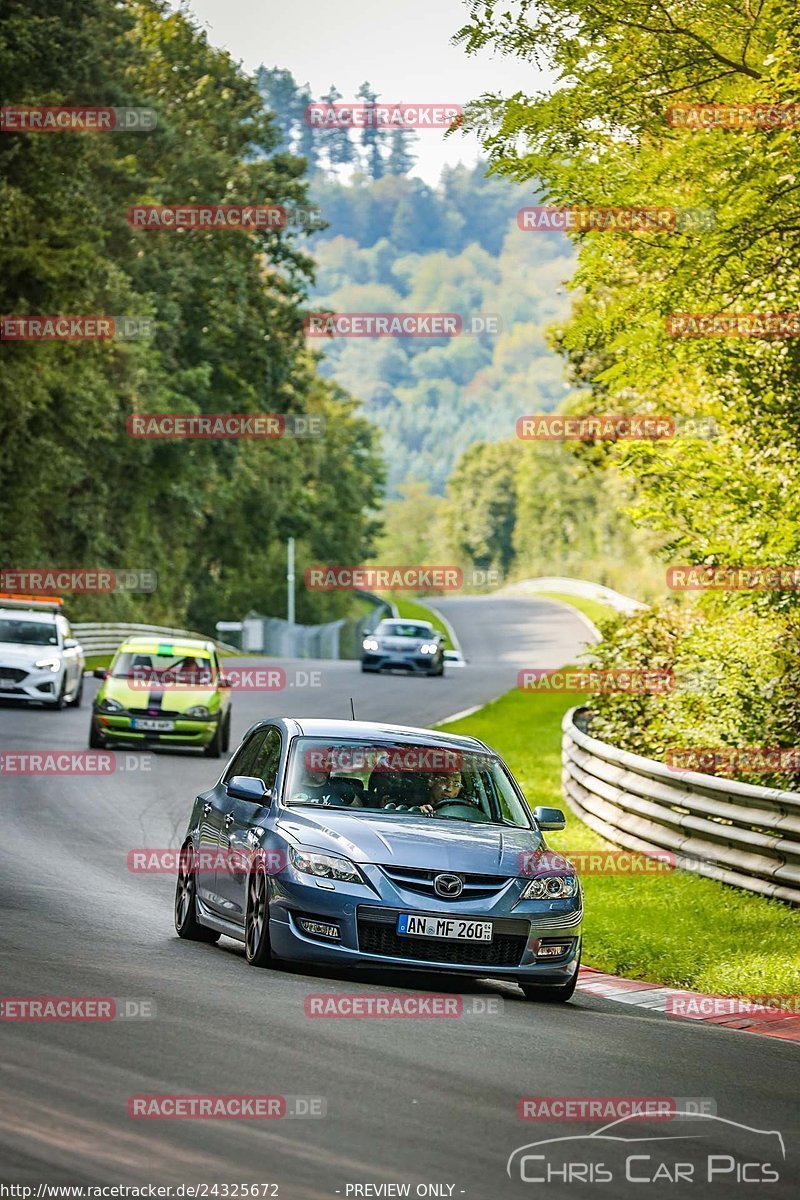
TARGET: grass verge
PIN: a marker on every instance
(672, 928)
(595, 610)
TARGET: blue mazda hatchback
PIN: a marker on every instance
(376, 845)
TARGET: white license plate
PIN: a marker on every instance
(454, 928)
(152, 726)
(6, 682)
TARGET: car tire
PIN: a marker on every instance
(187, 925)
(256, 922)
(96, 742)
(226, 735)
(75, 702)
(214, 747)
(551, 995)
(61, 699)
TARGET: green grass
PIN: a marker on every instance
(595, 610)
(98, 660)
(412, 610)
(673, 928)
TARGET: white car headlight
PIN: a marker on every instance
(428, 648)
(199, 712)
(370, 644)
(551, 887)
(51, 663)
(110, 706)
(324, 866)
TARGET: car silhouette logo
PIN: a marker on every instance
(448, 885)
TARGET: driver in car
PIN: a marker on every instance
(442, 787)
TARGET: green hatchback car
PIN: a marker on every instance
(163, 694)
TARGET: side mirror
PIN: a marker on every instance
(550, 818)
(100, 672)
(247, 787)
(224, 682)
(70, 644)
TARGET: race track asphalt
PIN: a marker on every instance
(408, 1102)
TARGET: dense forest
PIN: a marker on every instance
(392, 243)
(211, 517)
(607, 136)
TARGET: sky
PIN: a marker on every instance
(403, 50)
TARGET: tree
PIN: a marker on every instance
(339, 149)
(401, 159)
(372, 138)
(482, 510)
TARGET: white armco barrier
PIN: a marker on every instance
(573, 587)
(739, 833)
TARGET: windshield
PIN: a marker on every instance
(28, 633)
(178, 670)
(402, 779)
(407, 629)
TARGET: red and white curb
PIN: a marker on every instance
(689, 1006)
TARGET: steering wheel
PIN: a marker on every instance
(475, 813)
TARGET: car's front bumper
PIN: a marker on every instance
(422, 664)
(114, 727)
(30, 684)
(368, 937)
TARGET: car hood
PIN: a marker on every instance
(408, 841)
(20, 654)
(176, 699)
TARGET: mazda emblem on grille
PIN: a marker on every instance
(448, 885)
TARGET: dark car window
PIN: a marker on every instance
(245, 760)
(397, 778)
(265, 764)
(28, 633)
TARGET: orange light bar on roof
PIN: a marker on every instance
(41, 599)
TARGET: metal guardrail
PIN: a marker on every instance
(100, 638)
(574, 587)
(333, 639)
(739, 833)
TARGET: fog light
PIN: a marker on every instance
(319, 928)
(553, 949)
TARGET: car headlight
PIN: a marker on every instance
(324, 866)
(198, 712)
(370, 644)
(428, 648)
(551, 887)
(52, 663)
(110, 706)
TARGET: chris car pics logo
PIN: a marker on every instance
(695, 1148)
